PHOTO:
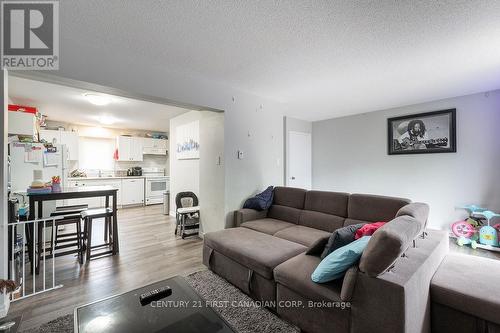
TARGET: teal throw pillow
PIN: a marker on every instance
(339, 261)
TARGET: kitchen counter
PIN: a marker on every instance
(110, 177)
(104, 178)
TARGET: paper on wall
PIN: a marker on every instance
(32, 154)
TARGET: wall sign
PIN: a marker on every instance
(188, 141)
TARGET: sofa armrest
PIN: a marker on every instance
(246, 214)
(398, 300)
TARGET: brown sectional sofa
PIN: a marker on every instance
(264, 256)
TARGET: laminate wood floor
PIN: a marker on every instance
(149, 252)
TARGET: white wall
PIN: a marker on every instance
(203, 176)
(184, 174)
(350, 154)
(295, 125)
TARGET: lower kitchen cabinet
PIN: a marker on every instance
(132, 191)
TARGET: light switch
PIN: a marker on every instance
(241, 155)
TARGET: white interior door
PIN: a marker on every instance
(299, 160)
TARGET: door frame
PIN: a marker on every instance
(4, 299)
(287, 153)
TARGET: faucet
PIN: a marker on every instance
(100, 173)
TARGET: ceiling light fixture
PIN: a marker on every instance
(96, 99)
(107, 120)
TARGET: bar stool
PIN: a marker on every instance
(71, 217)
(88, 216)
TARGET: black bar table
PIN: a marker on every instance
(71, 193)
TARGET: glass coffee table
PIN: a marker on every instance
(182, 312)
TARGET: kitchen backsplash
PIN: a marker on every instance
(150, 161)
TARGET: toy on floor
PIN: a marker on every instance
(466, 230)
(488, 235)
(473, 232)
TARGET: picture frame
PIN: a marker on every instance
(422, 133)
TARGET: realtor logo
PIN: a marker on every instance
(30, 35)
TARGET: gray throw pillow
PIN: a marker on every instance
(317, 247)
(341, 237)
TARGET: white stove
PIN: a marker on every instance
(156, 183)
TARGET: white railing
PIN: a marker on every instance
(24, 240)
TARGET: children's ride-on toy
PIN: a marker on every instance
(488, 235)
(466, 230)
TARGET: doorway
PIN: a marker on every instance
(299, 160)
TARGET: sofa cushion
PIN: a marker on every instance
(387, 244)
(333, 203)
(374, 208)
(267, 225)
(417, 210)
(284, 213)
(468, 284)
(289, 196)
(349, 221)
(245, 214)
(339, 238)
(296, 275)
(318, 246)
(302, 235)
(317, 220)
(335, 265)
(257, 251)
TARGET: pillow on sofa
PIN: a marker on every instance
(339, 261)
(318, 246)
(261, 201)
(341, 237)
(368, 229)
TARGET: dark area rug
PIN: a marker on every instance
(62, 324)
(247, 318)
(244, 319)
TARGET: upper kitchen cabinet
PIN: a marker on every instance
(67, 138)
(154, 146)
(129, 148)
(22, 123)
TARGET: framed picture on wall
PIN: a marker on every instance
(431, 132)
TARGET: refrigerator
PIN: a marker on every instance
(27, 157)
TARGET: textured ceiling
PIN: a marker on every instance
(321, 58)
(67, 104)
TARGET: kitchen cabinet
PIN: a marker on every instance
(115, 183)
(70, 139)
(67, 138)
(22, 123)
(132, 191)
(51, 136)
(91, 202)
(95, 202)
(129, 148)
(155, 146)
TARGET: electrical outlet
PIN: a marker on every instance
(241, 155)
